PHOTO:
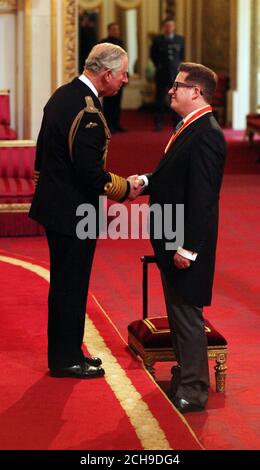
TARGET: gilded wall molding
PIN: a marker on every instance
(233, 44)
(170, 9)
(90, 4)
(7, 6)
(255, 61)
(215, 51)
(53, 45)
(27, 67)
(127, 4)
(70, 39)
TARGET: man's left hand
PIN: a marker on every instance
(180, 262)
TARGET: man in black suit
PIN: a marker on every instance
(190, 173)
(112, 104)
(69, 169)
(167, 52)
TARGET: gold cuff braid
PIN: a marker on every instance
(117, 188)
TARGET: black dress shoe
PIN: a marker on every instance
(93, 361)
(185, 406)
(78, 371)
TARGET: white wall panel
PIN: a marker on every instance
(8, 59)
(40, 61)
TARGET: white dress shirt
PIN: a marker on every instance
(87, 82)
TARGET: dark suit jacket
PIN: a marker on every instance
(166, 69)
(191, 174)
(66, 182)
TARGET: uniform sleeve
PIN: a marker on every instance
(88, 156)
(39, 154)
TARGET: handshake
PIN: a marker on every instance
(136, 186)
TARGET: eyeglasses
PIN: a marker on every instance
(177, 85)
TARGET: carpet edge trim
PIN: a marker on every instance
(147, 373)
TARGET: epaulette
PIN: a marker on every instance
(89, 108)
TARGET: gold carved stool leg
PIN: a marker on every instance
(149, 362)
(220, 372)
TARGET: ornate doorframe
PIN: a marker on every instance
(70, 42)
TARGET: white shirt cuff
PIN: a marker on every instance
(187, 254)
(145, 180)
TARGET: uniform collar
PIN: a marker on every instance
(88, 82)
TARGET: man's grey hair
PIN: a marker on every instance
(105, 56)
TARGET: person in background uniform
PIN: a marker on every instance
(167, 52)
(70, 171)
(112, 104)
(190, 173)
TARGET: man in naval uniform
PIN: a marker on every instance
(70, 171)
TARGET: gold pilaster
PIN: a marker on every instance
(255, 61)
(27, 67)
(53, 45)
(233, 44)
(70, 39)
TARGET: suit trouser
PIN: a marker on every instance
(70, 267)
(189, 344)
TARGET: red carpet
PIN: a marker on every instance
(139, 150)
(124, 411)
(231, 420)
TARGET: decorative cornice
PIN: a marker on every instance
(70, 10)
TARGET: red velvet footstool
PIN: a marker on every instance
(150, 338)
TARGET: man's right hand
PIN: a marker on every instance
(136, 186)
